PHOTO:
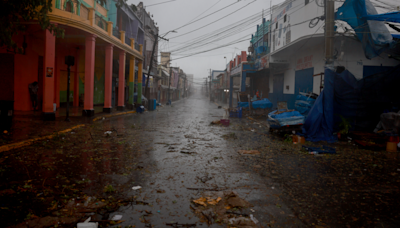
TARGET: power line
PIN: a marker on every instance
(206, 16)
(214, 21)
(205, 11)
(160, 3)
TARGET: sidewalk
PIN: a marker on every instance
(28, 127)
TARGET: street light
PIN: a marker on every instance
(169, 32)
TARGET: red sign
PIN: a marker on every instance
(304, 63)
(49, 72)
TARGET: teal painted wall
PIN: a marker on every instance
(98, 96)
(112, 12)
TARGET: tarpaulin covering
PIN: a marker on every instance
(286, 118)
(360, 101)
(262, 104)
(304, 104)
(374, 35)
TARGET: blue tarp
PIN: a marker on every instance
(286, 118)
(319, 123)
(304, 104)
(374, 35)
(360, 101)
(263, 104)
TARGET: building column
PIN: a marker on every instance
(108, 79)
(131, 82)
(139, 83)
(243, 82)
(76, 79)
(121, 82)
(57, 76)
(48, 77)
(89, 75)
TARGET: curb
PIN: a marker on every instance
(112, 115)
(31, 141)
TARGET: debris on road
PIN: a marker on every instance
(108, 132)
(116, 217)
(186, 152)
(223, 207)
(251, 152)
(87, 224)
(136, 188)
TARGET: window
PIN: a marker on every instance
(276, 26)
(307, 1)
(68, 6)
(285, 18)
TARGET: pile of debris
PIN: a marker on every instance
(224, 207)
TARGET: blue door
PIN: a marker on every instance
(304, 81)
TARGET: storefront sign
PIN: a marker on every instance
(236, 70)
(49, 72)
(263, 63)
(304, 63)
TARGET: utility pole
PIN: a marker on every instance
(177, 87)
(329, 64)
(329, 32)
(210, 86)
(206, 85)
(169, 84)
(69, 61)
(184, 87)
(147, 90)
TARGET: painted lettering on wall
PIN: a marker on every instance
(283, 12)
(263, 63)
(304, 63)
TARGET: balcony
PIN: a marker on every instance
(137, 47)
(82, 16)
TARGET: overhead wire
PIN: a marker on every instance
(217, 20)
(205, 16)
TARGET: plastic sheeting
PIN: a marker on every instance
(262, 104)
(286, 118)
(361, 101)
(304, 104)
(374, 35)
(319, 123)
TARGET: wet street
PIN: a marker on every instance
(176, 156)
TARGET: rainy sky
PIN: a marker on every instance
(226, 21)
(224, 33)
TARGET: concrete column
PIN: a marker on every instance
(57, 76)
(139, 83)
(109, 28)
(89, 75)
(131, 82)
(108, 79)
(48, 77)
(121, 82)
(76, 79)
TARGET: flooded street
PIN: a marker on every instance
(176, 156)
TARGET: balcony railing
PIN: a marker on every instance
(137, 47)
(101, 23)
(116, 33)
(127, 40)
